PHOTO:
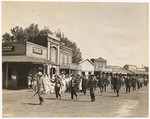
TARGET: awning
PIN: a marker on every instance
(139, 72)
(123, 71)
(25, 59)
(71, 66)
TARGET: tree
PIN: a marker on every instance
(18, 34)
(45, 31)
(31, 32)
(6, 37)
(76, 53)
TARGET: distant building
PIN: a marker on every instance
(99, 63)
(135, 70)
(87, 66)
(146, 69)
(130, 67)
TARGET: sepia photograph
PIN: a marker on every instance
(75, 59)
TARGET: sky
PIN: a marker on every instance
(117, 32)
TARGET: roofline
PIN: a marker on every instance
(88, 60)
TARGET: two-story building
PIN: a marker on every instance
(66, 65)
(100, 63)
(45, 54)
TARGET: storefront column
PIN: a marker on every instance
(6, 75)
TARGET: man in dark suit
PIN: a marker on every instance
(74, 86)
(117, 81)
(92, 84)
(128, 83)
(57, 86)
(84, 84)
(100, 83)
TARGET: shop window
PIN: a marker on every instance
(65, 59)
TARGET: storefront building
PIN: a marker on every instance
(19, 59)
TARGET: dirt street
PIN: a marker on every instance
(18, 103)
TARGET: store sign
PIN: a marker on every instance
(7, 48)
(37, 50)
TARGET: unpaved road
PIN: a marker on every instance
(18, 103)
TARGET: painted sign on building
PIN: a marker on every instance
(7, 48)
(37, 50)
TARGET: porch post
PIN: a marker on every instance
(6, 75)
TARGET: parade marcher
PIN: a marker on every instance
(68, 79)
(145, 81)
(112, 82)
(134, 82)
(40, 85)
(138, 82)
(92, 84)
(84, 84)
(100, 83)
(105, 79)
(128, 83)
(122, 81)
(74, 87)
(141, 81)
(57, 86)
(117, 82)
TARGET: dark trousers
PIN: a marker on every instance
(40, 98)
(57, 91)
(92, 93)
(105, 86)
(84, 90)
(138, 84)
(101, 89)
(117, 92)
(128, 89)
(73, 92)
(134, 86)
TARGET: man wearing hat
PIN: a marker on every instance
(39, 87)
(57, 86)
(74, 86)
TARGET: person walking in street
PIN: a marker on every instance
(145, 81)
(138, 82)
(128, 83)
(74, 87)
(57, 86)
(84, 84)
(105, 79)
(92, 84)
(100, 83)
(117, 81)
(40, 86)
(141, 81)
(134, 82)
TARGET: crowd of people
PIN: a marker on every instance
(42, 83)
